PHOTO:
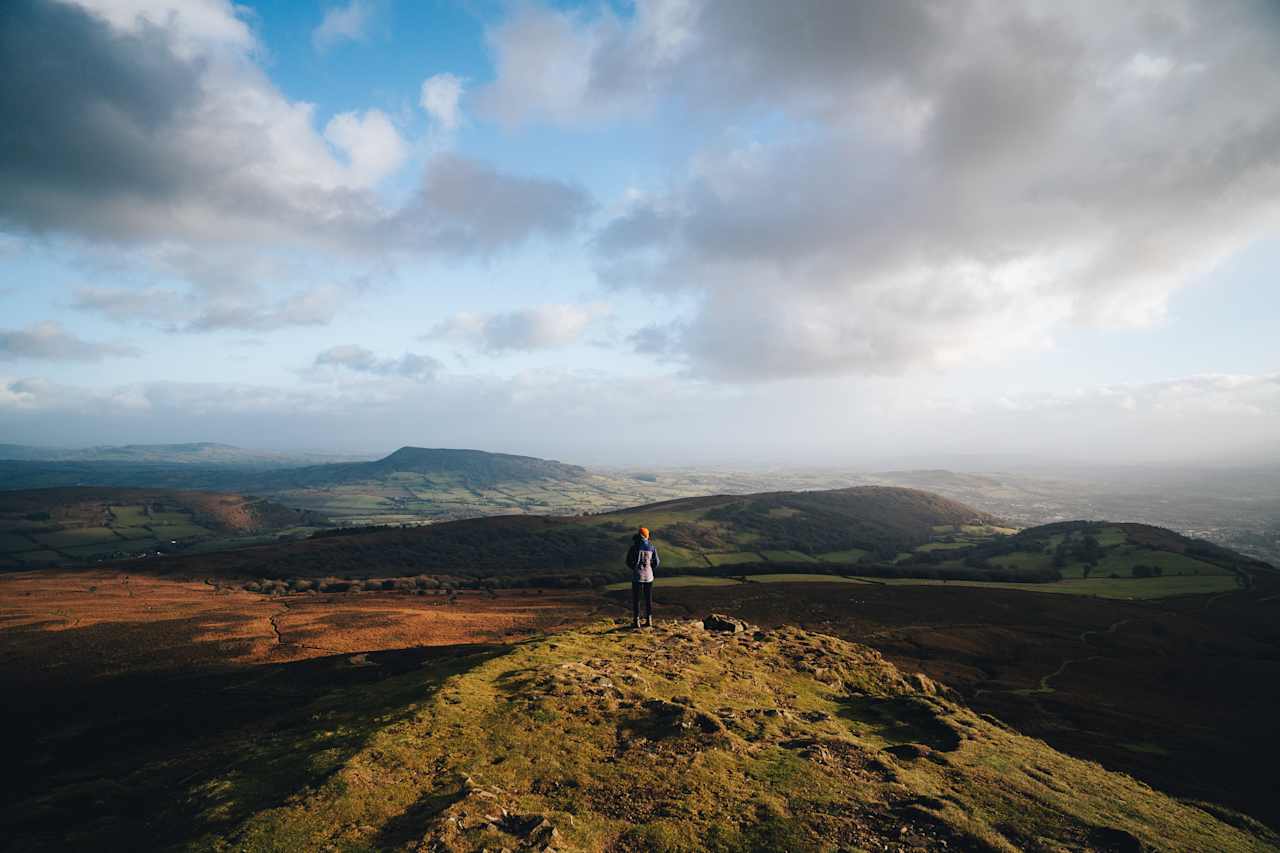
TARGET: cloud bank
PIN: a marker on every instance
(958, 180)
(51, 342)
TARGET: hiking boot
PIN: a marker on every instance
(648, 621)
(636, 623)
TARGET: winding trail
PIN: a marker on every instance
(1045, 685)
(281, 642)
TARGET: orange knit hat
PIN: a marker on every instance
(644, 531)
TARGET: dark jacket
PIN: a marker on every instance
(642, 559)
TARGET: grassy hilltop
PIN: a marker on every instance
(682, 739)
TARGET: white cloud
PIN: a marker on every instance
(343, 23)
(196, 24)
(198, 147)
(541, 327)
(969, 179)
(371, 143)
(439, 97)
(49, 341)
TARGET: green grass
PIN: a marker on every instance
(12, 542)
(105, 549)
(181, 531)
(788, 557)
(674, 557)
(168, 518)
(41, 557)
(944, 546)
(1023, 560)
(680, 580)
(129, 516)
(1111, 536)
(133, 532)
(800, 578)
(77, 536)
(851, 555)
(734, 558)
(1131, 588)
(678, 740)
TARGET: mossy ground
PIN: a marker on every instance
(677, 738)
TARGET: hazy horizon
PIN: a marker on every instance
(661, 232)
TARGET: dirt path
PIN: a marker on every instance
(1045, 684)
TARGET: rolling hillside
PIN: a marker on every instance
(78, 526)
(788, 531)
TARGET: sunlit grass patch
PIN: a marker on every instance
(734, 558)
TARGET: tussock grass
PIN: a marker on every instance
(680, 739)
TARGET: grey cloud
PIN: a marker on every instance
(245, 308)
(89, 115)
(467, 207)
(656, 340)
(681, 422)
(962, 189)
(541, 327)
(315, 306)
(136, 136)
(362, 360)
(714, 55)
(128, 305)
(50, 342)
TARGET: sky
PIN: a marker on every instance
(679, 232)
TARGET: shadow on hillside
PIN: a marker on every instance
(169, 757)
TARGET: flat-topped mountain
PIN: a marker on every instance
(470, 468)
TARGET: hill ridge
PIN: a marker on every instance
(683, 738)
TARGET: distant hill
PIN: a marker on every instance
(469, 468)
(826, 531)
(192, 453)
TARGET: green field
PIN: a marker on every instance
(1130, 588)
(733, 558)
(1024, 560)
(1110, 536)
(133, 532)
(181, 531)
(130, 516)
(849, 555)
(12, 542)
(801, 578)
(788, 557)
(77, 536)
(944, 546)
(106, 549)
(680, 580)
(680, 558)
(41, 557)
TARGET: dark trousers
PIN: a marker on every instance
(636, 589)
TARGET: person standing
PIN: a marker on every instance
(642, 559)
